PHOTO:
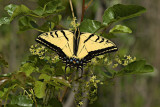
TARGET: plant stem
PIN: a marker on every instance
(64, 93)
(70, 1)
(88, 4)
(83, 10)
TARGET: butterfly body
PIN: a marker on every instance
(76, 48)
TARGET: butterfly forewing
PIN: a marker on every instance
(60, 41)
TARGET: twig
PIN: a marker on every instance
(64, 93)
(83, 10)
(88, 4)
(70, 1)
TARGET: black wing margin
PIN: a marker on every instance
(92, 54)
(51, 46)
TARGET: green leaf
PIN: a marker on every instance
(10, 8)
(4, 20)
(61, 81)
(43, 2)
(20, 10)
(55, 19)
(1, 94)
(47, 69)
(12, 105)
(120, 12)
(45, 77)
(60, 8)
(39, 11)
(3, 63)
(54, 102)
(120, 29)
(26, 23)
(104, 71)
(28, 68)
(39, 89)
(58, 68)
(22, 101)
(51, 7)
(136, 67)
(109, 35)
(46, 26)
(90, 26)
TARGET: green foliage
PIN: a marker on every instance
(120, 12)
(3, 63)
(22, 101)
(4, 20)
(90, 26)
(120, 29)
(42, 78)
(28, 68)
(26, 23)
(39, 89)
(136, 67)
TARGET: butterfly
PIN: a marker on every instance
(76, 48)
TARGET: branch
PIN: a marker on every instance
(88, 4)
(64, 93)
(70, 1)
(83, 10)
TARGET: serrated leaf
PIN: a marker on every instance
(28, 68)
(4, 20)
(20, 10)
(10, 8)
(45, 77)
(136, 67)
(39, 89)
(26, 23)
(120, 12)
(90, 26)
(120, 29)
(22, 101)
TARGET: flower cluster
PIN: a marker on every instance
(73, 24)
(87, 89)
(44, 53)
(38, 50)
(125, 60)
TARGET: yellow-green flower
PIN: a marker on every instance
(129, 57)
(81, 103)
(115, 65)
